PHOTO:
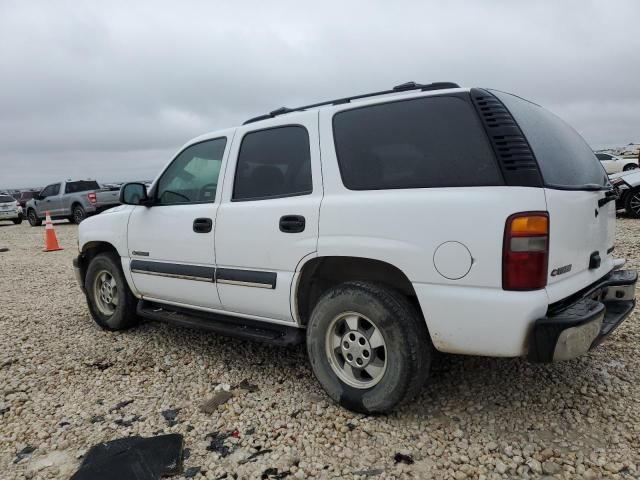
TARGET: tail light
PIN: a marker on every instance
(92, 197)
(525, 251)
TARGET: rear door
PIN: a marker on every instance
(581, 208)
(268, 219)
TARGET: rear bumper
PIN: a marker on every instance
(571, 329)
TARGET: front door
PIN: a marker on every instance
(50, 201)
(268, 219)
(171, 243)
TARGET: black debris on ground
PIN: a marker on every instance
(97, 419)
(121, 405)
(133, 458)
(249, 387)
(272, 473)
(217, 443)
(4, 249)
(24, 453)
(191, 472)
(63, 424)
(250, 431)
(127, 423)
(170, 416)
(102, 366)
(255, 455)
(4, 410)
(186, 453)
(402, 458)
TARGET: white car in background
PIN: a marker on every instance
(613, 164)
(10, 209)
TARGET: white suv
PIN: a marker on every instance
(378, 228)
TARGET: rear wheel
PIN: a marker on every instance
(632, 203)
(34, 221)
(630, 166)
(78, 214)
(111, 303)
(17, 221)
(368, 347)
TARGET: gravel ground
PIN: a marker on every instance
(63, 384)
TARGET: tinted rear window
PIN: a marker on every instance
(564, 158)
(6, 198)
(81, 186)
(419, 143)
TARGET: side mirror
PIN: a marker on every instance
(134, 194)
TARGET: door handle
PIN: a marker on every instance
(292, 223)
(202, 225)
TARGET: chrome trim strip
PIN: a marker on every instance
(245, 284)
(172, 275)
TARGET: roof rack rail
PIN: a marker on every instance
(398, 88)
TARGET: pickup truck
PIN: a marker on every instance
(378, 229)
(73, 200)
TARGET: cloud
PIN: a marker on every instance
(111, 89)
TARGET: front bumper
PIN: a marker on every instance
(78, 270)
(574, 327)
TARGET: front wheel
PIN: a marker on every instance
(34, 221)
(111, 303)
(368, 347)
(632, 203)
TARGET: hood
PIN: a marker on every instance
(631, 177)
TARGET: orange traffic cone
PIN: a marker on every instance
(50, 239)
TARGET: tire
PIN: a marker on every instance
(632, 202)
(17, 221)
(401, 364)
(114, 315)
(78, 214)
(629, 166)
(34, 221)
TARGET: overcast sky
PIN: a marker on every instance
(110, 89)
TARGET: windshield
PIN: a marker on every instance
(6, 198)
(564, 158)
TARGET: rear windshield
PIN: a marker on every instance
(81, 186)
(418, 143)
(6, 198)
(564, 158)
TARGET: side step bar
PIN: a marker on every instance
(271, 333)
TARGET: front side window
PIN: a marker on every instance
(193, 175)
(50, 190)
(419, 143)
(273, 163)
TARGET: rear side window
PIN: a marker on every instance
(81, 186)
(564, 158)
(603, 156)
(273, 163)
(419, 143)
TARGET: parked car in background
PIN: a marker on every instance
(73, 200)
(379, 228)
(25, 196)
(627, 185)
(10, 209)
(615, 164)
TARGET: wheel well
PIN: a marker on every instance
(76, 204)
(322, 273)
(90, 250)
